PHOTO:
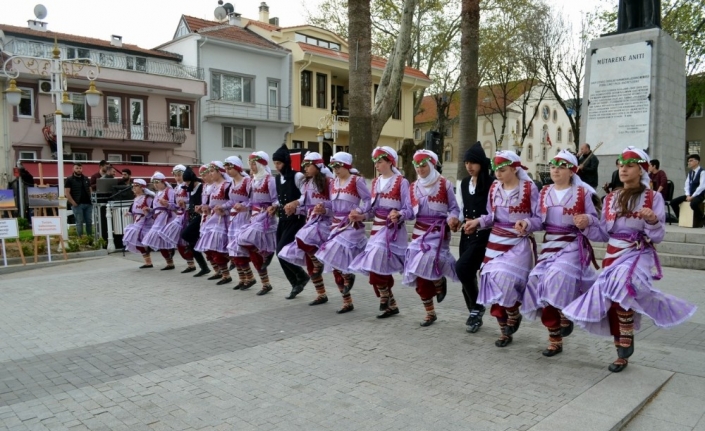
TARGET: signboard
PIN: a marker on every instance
(44, 226)
(9, 229)
(7, 200)
(619, 96)
(43, 197)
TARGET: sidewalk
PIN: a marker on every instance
(101, 345)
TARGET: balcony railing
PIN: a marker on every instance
(100, 128)
(250, 111)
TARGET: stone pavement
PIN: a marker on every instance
(102, 345)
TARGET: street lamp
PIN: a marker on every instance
(328, 127)
(59, 71)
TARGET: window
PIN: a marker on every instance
(449, 131)
(544, 153)
(417, 134)
(447, 155)
(298, 145)
(313, 146)
(335, 46)
(238, 137)
(78, 53)
(232, 88)
(530, 133)
(487, 128)
(114, 112)
(570, 136)
(545, 113)
(530, 153)
(182, 30)
(180, 115)
(136, 63)
(107, 60)
(136, 158)
(544, 134)
(555, 115)
(26, 106)
(28, 155)
(306, 88)
(559, 135)
(698, 112)
(79, 107)
(298, 37)
(115, 158)
(79, 156)
(321, 90)
(517, 129)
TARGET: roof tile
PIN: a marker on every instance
(229, 32)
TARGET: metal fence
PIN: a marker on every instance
(252, 111)
(101, 128)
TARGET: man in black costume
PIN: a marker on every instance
(636, 14)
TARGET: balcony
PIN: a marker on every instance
(247, 111)
(100, 128)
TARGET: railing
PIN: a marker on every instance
(99, 127)
(252, 111)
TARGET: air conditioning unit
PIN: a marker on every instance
(44, 87)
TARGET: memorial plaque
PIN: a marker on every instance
(619, 102)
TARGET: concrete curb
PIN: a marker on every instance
(15, 263)
(611, 403)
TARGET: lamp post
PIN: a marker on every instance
(328, 127)
(58, 71)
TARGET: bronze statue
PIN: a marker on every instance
(637, 14)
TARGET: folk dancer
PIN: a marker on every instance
(512, 213)
(214, 232)
(258, 237)
(386, 248)
(163, 211)
(428, 263)
(634, 218)
(565, 266)
(472, 201)
(171, 233)
(142, 222)
(239, 217)
(316, 205)
(347, 239)
(289, 184)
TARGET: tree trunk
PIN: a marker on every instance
(360, 98)
(469, 77)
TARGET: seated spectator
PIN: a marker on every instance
(694, 189)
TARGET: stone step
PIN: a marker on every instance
(669, 259)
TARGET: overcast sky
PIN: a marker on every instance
(149, 23)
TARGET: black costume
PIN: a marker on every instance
(192, 231)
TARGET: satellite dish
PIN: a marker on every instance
(40, 11)
(220, 13)
(229, 8)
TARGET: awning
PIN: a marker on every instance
(49, 170)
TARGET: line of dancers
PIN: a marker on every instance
(231, 220)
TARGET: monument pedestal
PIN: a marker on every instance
(613, 66)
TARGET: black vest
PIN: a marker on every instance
(80, 188)
(695, 182)
(286, 193)
(473, 205)
(195, 198)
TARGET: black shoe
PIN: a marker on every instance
(267, 261)
(388, 313)
(474, 321)
(428, 321)
(265, 290)
(509, 330)
(245, 286)
(202, 272)
(295, 291)
(350, 284)
(444, 290)
(319, 300)
(503, 342)
(215, 277)
(168, 267)
(625, 352)
(345, 309)
(189, 269)
(567, 330)
(146, 266)
(224, 281)
(615, 368)
(552, 352)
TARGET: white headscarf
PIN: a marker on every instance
(510, 158)
(143, 184)
(181, 168)
(567, 156)
(389, 151)
(433, 175)
(317, 160)
(237, 163)
(640, 157)
(263, 159)
(346, 160)
(160, 176)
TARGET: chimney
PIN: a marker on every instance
(116, 40)
(274, 21)
(234, 19)
(263, 12)
(35, 24)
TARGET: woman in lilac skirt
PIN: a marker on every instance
(214, 235)
(428, 262)
(347, 237)
(315, 204)
(135, 232)
(239, 217)
(565, 265)
(634, 218)
(259, 236)
(163, 212)
(512, 214)
(385, 250)
(171, 233)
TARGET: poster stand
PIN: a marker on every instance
(47, 227)
(9, 230)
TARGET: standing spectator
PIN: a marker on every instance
(77, 191)
(659, 180)
(103, 169)
(126, 177)
(694, 188)
(109, 172)
(588, 163)
(615, 183)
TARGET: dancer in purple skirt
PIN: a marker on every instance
(239, 217)
(428, 262)
(347, 237)
(214, 234)
(163, 211)
(171, 233)
(565, 265)
(385, 250)
(259, 236)
(512, 214)
(140, 211)
(203, 208)
(316, 205)
(634, 218)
